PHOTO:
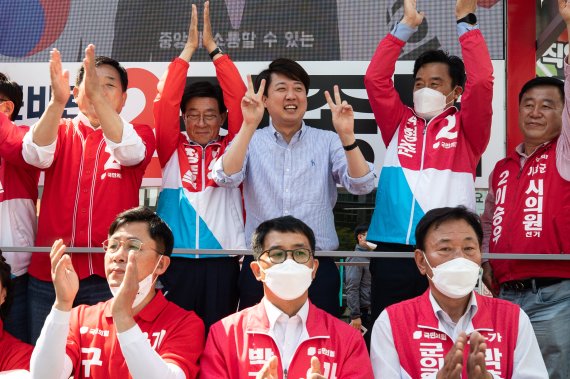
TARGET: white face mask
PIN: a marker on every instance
(288, 280)
(429, 102)
(145, 286)
(371, 246)
(455, 278)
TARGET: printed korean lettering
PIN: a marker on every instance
(270, 39)
(533, 208)
(233, 39)
(165, 40)
(500, 195)
(431, 358)
(179, 40)
(493, 361)
(248, 40)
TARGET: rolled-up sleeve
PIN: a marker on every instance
(224, 180)
(38, 156)
(356, 186)
(131, 150)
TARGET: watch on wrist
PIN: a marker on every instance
(470, 19)
(350, 147)
(214, 52)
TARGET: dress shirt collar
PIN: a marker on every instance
(454, 328)
(273, 314)
(296, 137)
(520, 150)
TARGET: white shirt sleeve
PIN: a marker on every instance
(142, 360)
(38, 156)
(49, 360)
(131, 150)
(528, 362)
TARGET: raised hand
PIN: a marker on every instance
(91, 79)
(252, 104)
(64, 277)
(453, 361)
(192, 41)
(476, 367)
(564, 10)
(412, 17)
(464, 7)
(207, 37)
(59, 79)
(122, 307)
(269, 369)
(342, 116)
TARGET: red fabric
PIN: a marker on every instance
(515, 194)
(460, 153)
(176, 335)
(422, 345)
(239, 345)
(82, 196)
(18, 180)
(14, 354)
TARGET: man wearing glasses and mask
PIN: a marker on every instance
(136, 334)
(284, 335)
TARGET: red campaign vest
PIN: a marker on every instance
(422, 345)
(531, 215)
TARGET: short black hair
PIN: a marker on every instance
(203, 89)
(454, 64)
(158, 230)
(10, 90)
(284, 66)
(101, 60)
(543, 81)
(360, 229)
(285, 224)
(6, 280)
(438, 216)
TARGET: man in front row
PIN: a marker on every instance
(284, 335)
(136, 334)
(427, 336)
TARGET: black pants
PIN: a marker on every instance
(323, 292)
(394, 279)
(207, 286)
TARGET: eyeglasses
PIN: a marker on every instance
(112, 245)
(196, 117)
(277, 256)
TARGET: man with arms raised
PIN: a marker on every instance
(201, 214)
(94, 164)
(290, 168)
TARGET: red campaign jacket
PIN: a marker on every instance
(18, 180)
(239, 345)
(422, 345)
(84, 191)
(531, 215)
(18, 195)
(177, 336)
(427, 164)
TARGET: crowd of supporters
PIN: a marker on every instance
(272, 188)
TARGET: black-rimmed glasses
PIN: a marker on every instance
(300, 255)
